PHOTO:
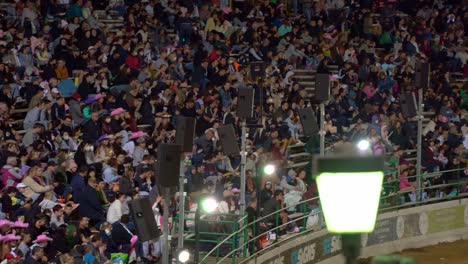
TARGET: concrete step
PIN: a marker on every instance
(298, 165)
(307, 84)
(111, 21)
(298, 155)
(304, 77)
(304, 73)
(295, 149)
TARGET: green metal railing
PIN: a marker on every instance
(220, 237)
(244, 252)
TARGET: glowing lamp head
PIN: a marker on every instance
(363, 145)
(209, 204)
(183, 256)
(349, 189)
(269, 169)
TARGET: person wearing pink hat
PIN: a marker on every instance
(117, 111)
(10, 243)
(11, 237)
(41, 241)
(20, 224)
(129, 147)
(138, 134)
(5, 226)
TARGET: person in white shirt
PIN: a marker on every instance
(57, 218)
(114, 213)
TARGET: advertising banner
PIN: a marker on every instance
(407, 225)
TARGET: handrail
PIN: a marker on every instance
(234, 222)
(383, 209)
(251, 224)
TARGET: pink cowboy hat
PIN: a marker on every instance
(11, 237)
(98, 96)
(42, 238)
(117, 111)
(138, 134)
(5, 223)
(20, 224)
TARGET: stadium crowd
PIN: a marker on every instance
(83, 107)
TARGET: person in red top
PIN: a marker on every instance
(132, 61)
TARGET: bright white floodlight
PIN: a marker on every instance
(269, 169)
(209, 204)
(183, 256)
(363, 145)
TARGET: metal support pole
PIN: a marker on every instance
(351, 247)
(242, 180)
(419, 145)
(322, 129)
(167, 242)
(180, 238)
(197, 233)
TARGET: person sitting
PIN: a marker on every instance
(90, 206)
(35, 186)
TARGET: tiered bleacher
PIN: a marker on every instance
(89, 89)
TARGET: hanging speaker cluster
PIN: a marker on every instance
(227, 136)
(143, 217)
(322, 87)
(408, 105)
(308, 121)
(245, 103)
(422, 75)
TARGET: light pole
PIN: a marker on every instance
(208, 205)
(349, 183)
(268, 170)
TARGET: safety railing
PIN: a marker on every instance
(310, 208)
(225, 231)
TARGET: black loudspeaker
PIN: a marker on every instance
(322, 87)
(422, 75)
(185, 132)
(143, 217)
(168, 167)
(408, 105)
(257, 69)
(227, 136)
(309, 121)
(245, 104)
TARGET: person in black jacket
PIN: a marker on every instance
(120, 233)
(58, 109)
(37, 256)
(59, 245)
(90, 206)
(92, 129)
(106, 234)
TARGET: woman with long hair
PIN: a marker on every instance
(35, 185)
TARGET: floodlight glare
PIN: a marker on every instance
(363, 145)
(209, 204)
(183, 256)
(350, 200)
(269, 169)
